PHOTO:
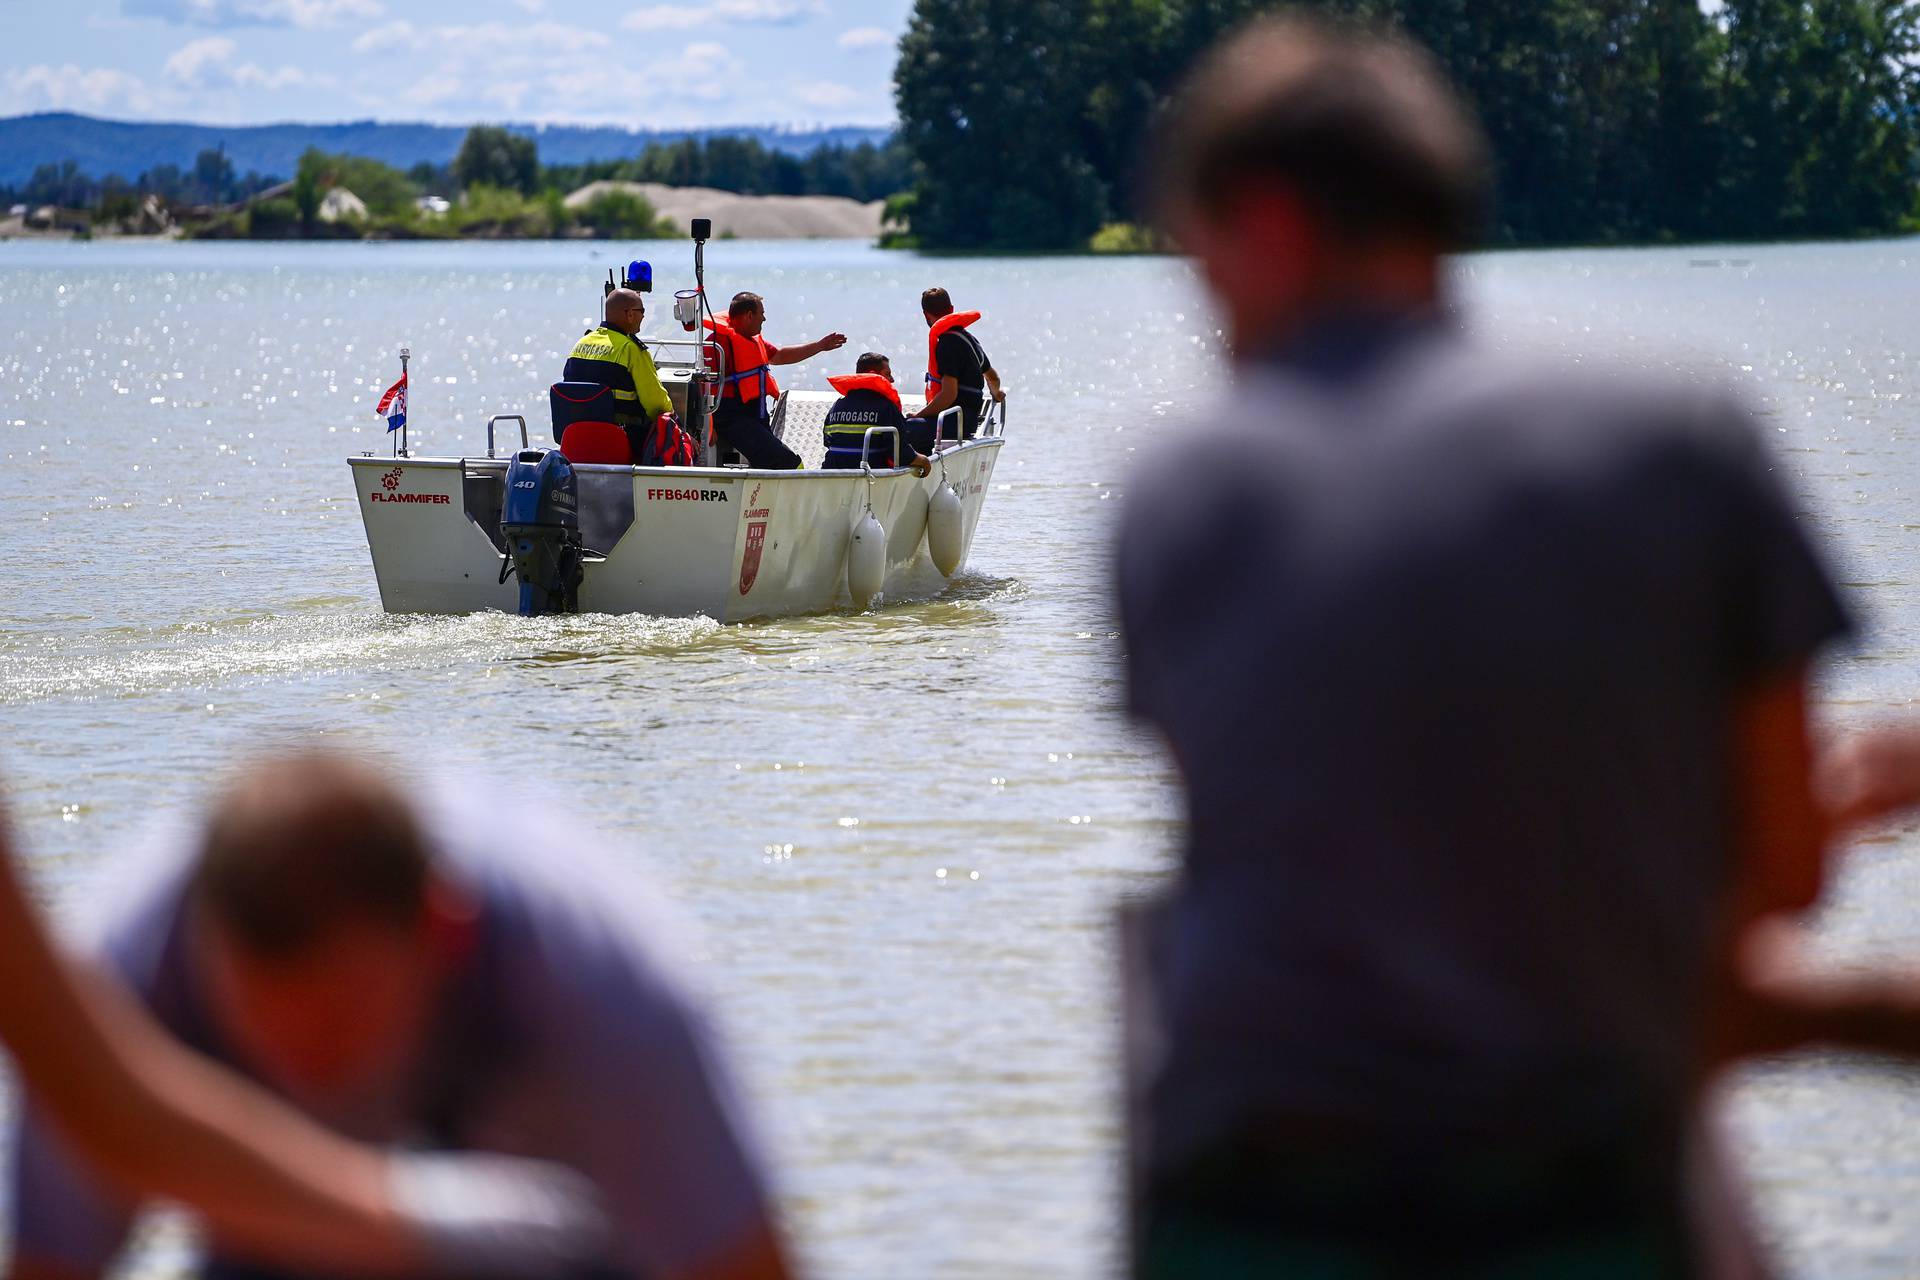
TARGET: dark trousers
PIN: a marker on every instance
(1465, 1215)
(918, 436)
(843, 451)
(740, 426)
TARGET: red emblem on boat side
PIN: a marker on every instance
(391, 480)
(750, 558)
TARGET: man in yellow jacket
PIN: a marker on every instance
(611, 356)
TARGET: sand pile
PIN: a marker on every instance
(751, 217)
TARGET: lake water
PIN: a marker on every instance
(901, 834)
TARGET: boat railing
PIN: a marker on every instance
(866, 441)
(950, 414)
(507, 417)
(993, 419)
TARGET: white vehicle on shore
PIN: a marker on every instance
(522, 533)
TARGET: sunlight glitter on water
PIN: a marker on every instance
(933, 1054)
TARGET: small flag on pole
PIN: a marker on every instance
(393, 405)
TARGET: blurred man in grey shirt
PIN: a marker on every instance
(1487, 684)
(445, 975)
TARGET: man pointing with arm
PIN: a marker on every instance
(743, 420)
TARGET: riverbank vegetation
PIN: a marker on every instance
(1612, 121)
(494, 188)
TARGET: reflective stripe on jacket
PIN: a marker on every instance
(614, 359)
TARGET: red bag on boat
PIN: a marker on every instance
(667, 445)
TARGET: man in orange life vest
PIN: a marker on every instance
(958, 371)
(742, 420)
(868, 400)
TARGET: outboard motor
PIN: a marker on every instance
(540, 520)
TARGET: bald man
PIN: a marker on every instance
(614, 358)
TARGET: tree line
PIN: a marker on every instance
(1611, 121)
(495, 184)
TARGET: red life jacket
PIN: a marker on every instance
(847, 383)
(952, 320)
(748, 376)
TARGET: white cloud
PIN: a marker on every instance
(538, 71)
(866, 38)
(663, 17)
(208, 64)
(392, 35)
(826, 95)
(192, 63)
(773, 12)
(686, 17)
(97, 90)
(483, 39)
(307, 15)
(532, 6)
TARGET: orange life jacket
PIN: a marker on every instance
(952, 320)
(746, 359)
(847, 383)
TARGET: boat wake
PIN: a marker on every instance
(131, 662)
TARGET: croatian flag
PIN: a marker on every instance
(393, 405)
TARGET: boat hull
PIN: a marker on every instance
(726, 543)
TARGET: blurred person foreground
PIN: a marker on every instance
(423, 977)
(1498, 777)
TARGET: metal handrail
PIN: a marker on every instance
(507, 417)
(995, 416)
(940, 425)
(866, 440)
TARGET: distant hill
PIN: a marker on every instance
(125, 148)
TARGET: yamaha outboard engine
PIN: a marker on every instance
(540, 520)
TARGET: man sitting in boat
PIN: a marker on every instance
(742, 420)
(958, 371)
(867, 400)
(613, 358)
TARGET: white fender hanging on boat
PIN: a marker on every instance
(866, 560)
(944, 540)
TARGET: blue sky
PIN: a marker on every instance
(642, 63)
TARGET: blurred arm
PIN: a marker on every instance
(1786, 826)
(157, 1119)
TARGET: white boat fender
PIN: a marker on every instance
(944, 529)
(866, 560)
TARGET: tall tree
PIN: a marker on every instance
(992, 97)
(493, 157)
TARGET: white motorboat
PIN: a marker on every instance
(728, 542)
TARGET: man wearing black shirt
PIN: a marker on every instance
(958, 370)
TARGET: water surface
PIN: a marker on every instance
(901, 833)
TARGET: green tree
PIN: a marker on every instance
(493, 157)
(1609, 120)
(213, 177)
(307, 190)
(992, 98)
(1820, 108)
(618, 214)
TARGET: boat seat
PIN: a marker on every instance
(596, 442)
(572, 402)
